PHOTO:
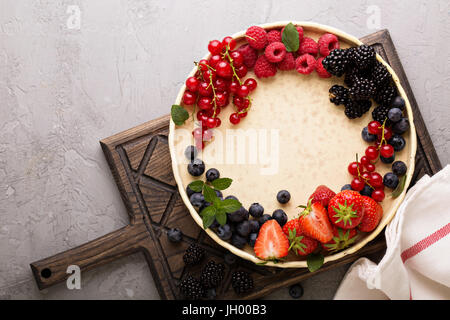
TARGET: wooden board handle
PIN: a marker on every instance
(112, 246)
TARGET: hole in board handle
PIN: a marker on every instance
(46, 273)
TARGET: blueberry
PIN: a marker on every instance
(174, 235)
(367, 191)
(231, 197)
(219, 194)
(390, 180)
(399, 168)
(280, 216)
(346, 187)
(395, 114)
(240, 215)
(296, 291)
(191, 153)
(398, 102)
(230, 258)
(203, 206)
(243, 228)
(401, 127)
(283, 196)
(197, 199)
(252, 239)
(189, 191)
(264, 218)
(196, 168)
(224, 232)
(368, 137)
(387, 160)
(256, 210)
(215, 224)
(254, 226)
(238, 241)
(398, 142)
(212, 174)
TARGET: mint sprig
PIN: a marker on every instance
(290, 38)
(179, 114)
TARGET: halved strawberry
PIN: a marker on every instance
(323, 194)
(272, 243)
(373, 212)
(314, 222)
(346, 209)
(292, 225)
(301, 244)
(341, 239)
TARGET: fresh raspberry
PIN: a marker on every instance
(256, 37)
(288, 63)
(250, 55)
(300, 33)
(308, 45)
(263, 68)
(321, 71)
(305, 64)
(274, 36)
(327, 43)
(275, 52)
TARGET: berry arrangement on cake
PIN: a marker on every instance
(331, 220)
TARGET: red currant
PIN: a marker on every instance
(209, 75)
(387, 133)
(230, 42)
(234, 86)
(387, 151)
(203, 64)
(207, 135)
(215, 47)
(243, 91)
(214, 60)
(220, 85)
(223, 69)
(197, 133)
(200, 144)
(189, 98)
(218, 109)
(234, 118)
(218, 122)
(211, 123)
(370, 167)
(372, 153)
(378, 195)
(205, 90)
(251, 83)
(241, 71)
(374, 127)
(242, 114)
(192, 84)
(221, 99)
(205, 103)
(364, 160)
(365, 176)
(353, 168)
(376, 180)
(357, 184)
(237, 58)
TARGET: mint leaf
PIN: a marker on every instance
(222, 183)
(221, 217)
(209, 194)
(401, 185)
(314, 261)
(210, 210)
(196, 186)
(179, 114)
(290, 38)
(229, 205)
(208, 216)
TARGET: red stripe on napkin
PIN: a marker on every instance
(425, 243)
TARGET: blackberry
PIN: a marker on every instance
(363, 57)
(336, 62)
(191, 288)
(193, 255)
(241, 282)
(380, 75)
(339, 95)
(362, 89)
(356, 109)
(386, 94)
(380, 114)
(212, 274)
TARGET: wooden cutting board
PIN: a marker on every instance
(140, 162)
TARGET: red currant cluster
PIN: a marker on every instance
(212, 85)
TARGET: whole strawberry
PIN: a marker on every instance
(301, 244)
(346, 209)
(323, 194)
(292, 225)
(314, 222)
(341, 239)
(373, 212)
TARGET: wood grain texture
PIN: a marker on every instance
(140, 163)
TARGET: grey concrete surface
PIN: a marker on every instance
(63, 88)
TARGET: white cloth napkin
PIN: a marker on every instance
(417, 260)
